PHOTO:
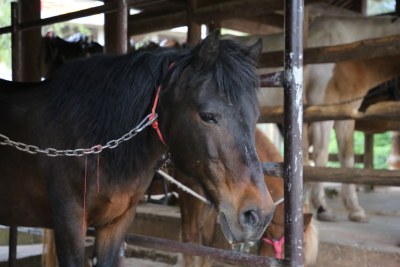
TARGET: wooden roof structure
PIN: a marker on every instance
(250, 16)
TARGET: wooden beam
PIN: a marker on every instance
(251, 27)
(237, 9)
(141, 23)
(340, 175)
(371, 48)
(275, 20)
(352, 175)
(358, 158)
(382, 110)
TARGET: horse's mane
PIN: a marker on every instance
(103, 97)
(232, 71)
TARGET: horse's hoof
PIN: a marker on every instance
(325, 215)
(358, 216)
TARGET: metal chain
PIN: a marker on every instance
(52, 152)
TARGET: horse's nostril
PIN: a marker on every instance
(250, 218)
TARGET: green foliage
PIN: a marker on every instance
(380, 6)
(382, 146)
(5, 39)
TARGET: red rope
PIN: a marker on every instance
(153, 110)
(98, 173)
(153, 113)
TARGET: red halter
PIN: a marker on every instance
(153, 113)
(153, 110)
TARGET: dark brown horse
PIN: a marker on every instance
(207, 115)
(55, 51)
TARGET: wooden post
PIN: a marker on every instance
(213, 26)
(194, 29)
(16, 76)
(368, 151)
(15, 44)
(29, 10)
(360, 6)
(116, 29)
(368, 155)
(397, 9)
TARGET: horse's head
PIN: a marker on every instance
(208, 113)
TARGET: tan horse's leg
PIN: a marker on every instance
(320, 142)
(195, 229)
(208, 226)
(345, 137)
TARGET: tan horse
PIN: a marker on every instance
(199, 221)
(325, 31)
(350, 80)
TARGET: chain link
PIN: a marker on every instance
(52, 152)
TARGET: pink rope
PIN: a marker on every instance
(277, 244)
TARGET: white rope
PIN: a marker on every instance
(279, 201)
(171, 179)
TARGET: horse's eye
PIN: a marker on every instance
(208, 117)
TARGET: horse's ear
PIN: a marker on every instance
(307, 220)
(208, 50)
(256, 49)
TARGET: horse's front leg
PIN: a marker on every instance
(320, 142)
(69, 239)
(108, 241)
(345, 137)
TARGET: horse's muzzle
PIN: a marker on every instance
(247, 226)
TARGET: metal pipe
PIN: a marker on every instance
(293, 123)
(226, 256)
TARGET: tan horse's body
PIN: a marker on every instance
(351, 79)
(199, 221)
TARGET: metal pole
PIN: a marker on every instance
(293, 123)
(226, 256)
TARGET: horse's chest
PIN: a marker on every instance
(108, 211)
